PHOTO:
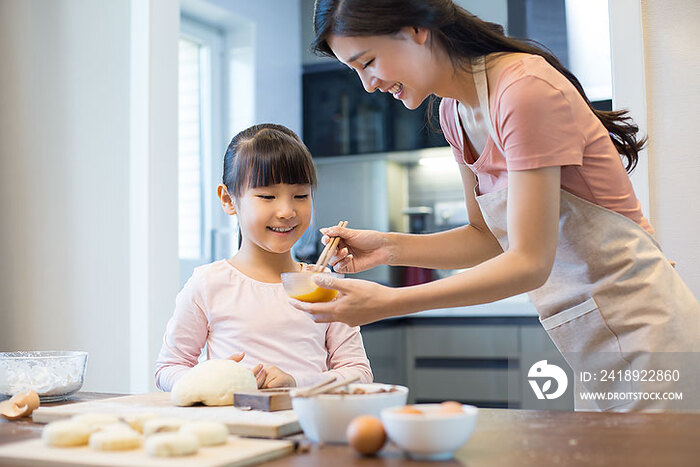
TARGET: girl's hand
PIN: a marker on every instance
(272, 377)
(359, 302)
(358, 250)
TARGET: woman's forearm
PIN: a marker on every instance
(506, 275)
(463, 247)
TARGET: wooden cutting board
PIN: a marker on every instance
(240, 422)
(238, 451)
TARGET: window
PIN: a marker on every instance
(190, 157)
(201, 145)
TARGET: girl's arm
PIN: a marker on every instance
(346, 353)
(185, 335)
(533, 218)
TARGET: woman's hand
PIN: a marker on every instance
(272, 377)
(358, 250)
(359, 302)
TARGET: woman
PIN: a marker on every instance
(551, 208)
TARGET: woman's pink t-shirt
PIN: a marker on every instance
(541, 120)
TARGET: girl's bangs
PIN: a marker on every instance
(265, 163)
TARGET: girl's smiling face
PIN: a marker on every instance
(274, 217)
(401, 64)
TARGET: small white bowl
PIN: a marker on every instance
(325, 418)
(431, 435)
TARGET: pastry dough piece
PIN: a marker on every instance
(115, 439)
(171, 444)
(162, 425)
(95, 419)
(65, 433)
(207, 432)
(213, 382)
(136, 420)
(120, 426)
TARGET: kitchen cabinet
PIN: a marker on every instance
(341, 118)
(482, 361)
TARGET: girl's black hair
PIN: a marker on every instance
(266, 154)
(463, 36)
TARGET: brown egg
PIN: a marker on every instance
(366, 434)
(409, 410)
(450, 407)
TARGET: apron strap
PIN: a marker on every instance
(482, 92)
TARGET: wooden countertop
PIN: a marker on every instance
(506, 437)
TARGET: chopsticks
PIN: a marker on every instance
(328, 251)
(323, 387)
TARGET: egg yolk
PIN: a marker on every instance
(318, 295)
(409, 410)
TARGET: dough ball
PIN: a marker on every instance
(213, 382)
(136, 420)
(119, 426)
(94, 419)
(66, 433)
(171, 444)
(208, 433)
(162, 425)
(115, 439)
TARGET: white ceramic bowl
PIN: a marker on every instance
(53, 374)
(325, 418)
(431, 435)
(300, 285)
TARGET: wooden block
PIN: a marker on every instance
(268, 400)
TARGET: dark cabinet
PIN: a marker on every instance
(341, 118)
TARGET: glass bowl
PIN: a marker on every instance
(53, 374)
(301, 286)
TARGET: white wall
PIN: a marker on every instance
(88, 170)
(672, 60)
(64, 181)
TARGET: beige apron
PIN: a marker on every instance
(612, 301)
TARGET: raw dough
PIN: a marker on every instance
(171, 444)
(208, 433)
(66, 433)
(94, 419)
(115, 439)
(136, 420)
(162, 425)
(213, 382)
(120, 426)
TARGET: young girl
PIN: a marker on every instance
(551, 208)
(238, 305)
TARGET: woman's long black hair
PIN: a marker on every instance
(463, 36)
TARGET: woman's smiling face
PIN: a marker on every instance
(400, 64)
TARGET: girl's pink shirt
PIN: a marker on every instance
(231, 313)
(541, 120)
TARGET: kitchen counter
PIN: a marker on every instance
(515, 437)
